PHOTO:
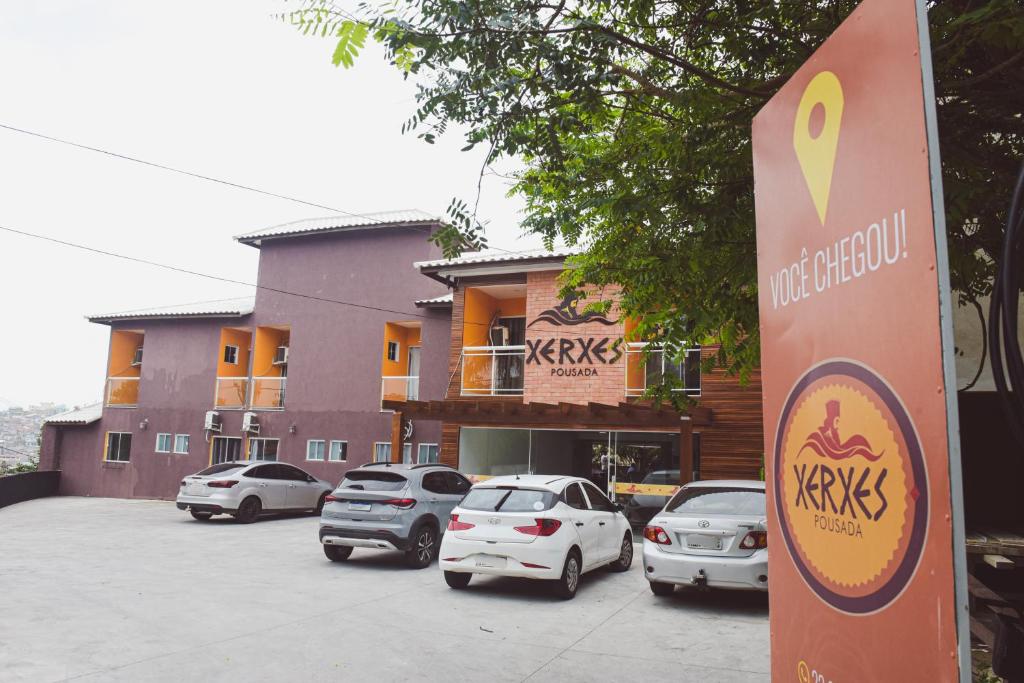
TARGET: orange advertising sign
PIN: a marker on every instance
(861, 437)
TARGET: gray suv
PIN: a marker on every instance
(385, 506)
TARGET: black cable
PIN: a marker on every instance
(205, 275)
(1002, 331)
(186, 271)
(200, 176)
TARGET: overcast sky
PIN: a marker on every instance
(222, 88)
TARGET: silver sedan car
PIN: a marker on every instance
(246, 489)
(710, 534)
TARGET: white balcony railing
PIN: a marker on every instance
(493, 370)
(122, 392)
(268, 393)
(231, 392)
(642, 373)
(398, 388)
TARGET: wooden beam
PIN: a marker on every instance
(396, 437)
(686, 473)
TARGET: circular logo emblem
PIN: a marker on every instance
(703, 524)
(851, 489)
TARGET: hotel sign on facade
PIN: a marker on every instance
(861, 439)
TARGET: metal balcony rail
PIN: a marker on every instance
(399, 388)
(231, 392)
(123, 392)
(641, 373)
(268, 393)
(493, 370)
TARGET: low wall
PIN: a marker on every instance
(15, 488)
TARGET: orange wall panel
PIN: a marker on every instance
(243, 340)
(122, 350)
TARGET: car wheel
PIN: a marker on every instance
(625, 555)
(566, 586)
(249, 510)
(424, 547)
(337, 553)
(201, 516)
(659, 588)
(457, 580)
(320, 503)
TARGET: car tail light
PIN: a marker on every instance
(332, 499)
(403, 503)
(226, 484)
(455, 525)
(182, 483)
(755, 540)
(543, 527)
(655, 534)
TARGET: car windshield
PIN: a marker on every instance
(221, 469)
(373, 480)
(509, 500)
(668, 477)
(718, 500)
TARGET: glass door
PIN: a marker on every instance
(412, 391)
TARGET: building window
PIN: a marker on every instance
(338, 452)
(119, 447)
(263, 449)
(181, 444)
(163, 443)
(407, 453)
(427, 453)
(225, 449)
(382, 451)
(231, 354)
(393, 351)
(315, 449)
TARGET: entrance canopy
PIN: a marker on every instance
(624, 416)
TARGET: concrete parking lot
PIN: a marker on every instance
(99, 589)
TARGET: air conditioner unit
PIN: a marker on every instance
(137, 358)
(281, 355)
(499, 335)
(250, 423)
(212, 422)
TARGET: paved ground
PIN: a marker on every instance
(97, 589)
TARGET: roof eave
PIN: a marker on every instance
(108, 320)
(257, 240)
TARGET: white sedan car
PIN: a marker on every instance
(247, 489)
(537, 527)
(711, 533)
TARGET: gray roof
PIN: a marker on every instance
(220, 308)
(436, 302)
(311, 226)
(79, 416)
(499, 257)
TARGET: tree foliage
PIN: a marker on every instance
(633, 118)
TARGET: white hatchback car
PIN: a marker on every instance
(537, 527)
(711, 533)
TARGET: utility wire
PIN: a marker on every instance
(186, 271)
(199, 176)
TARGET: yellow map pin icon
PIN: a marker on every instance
(815, 141)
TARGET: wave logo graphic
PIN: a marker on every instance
(567, 313)
(826, 443)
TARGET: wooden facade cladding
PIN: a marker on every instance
(733, 446)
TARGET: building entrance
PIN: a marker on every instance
(637, 469)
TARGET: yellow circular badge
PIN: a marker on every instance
(850, 486)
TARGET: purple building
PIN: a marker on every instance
(341, 320)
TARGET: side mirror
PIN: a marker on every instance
(619, 507)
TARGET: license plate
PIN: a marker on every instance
(359, 507)
(489, 562)
(702, 542)
(194, 488)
